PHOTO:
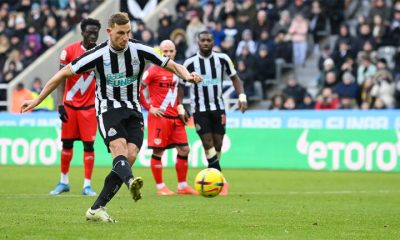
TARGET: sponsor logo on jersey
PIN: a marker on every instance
(119, 79)
(107, 64)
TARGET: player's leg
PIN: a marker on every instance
(66, 157)
(69, 132)
(88, 163)
(204, 128)
(87, 123)
(181, 167)
(114, 134)
(219, 119)
(156, 169)
(157, 139)
(178, 138)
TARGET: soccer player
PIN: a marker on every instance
(118, 64)
(165, 129)
(76, 109)
(206, 97)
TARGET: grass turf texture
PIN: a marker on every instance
(262, 205)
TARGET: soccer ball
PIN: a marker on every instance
(209, 182)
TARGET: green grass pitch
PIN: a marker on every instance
(262, 204)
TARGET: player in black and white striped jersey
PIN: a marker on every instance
(118, 64)
(206, 97)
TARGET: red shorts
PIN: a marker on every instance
(80, 125)
(165, 132)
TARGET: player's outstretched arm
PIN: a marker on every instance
(237, 84)
(52, 84)
(182, 72)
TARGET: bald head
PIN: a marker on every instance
(167, 47)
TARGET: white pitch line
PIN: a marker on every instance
(343, 192)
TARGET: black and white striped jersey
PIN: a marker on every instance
(207, 95)
(118, 73)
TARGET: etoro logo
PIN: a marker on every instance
(353, 155)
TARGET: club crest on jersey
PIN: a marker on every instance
(112, 132)
(157, 141)
(135, 61)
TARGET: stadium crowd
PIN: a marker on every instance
(30, 27)
(347, 36)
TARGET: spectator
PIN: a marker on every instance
(277, 102)
(289, 104)
(230, 29)
(365, 68)
(19, 95)
(247, 40)
(379, 104)
(394, 29)
(228, 9)
(365, 91)
(327, 100)
(379, 8)
(33, 41)
(299, 7)
(343, 53)
(307, 103)
(36, 19)
(165, 26)
(261, 24)
(246, 74)
(209, 14)
(283, 24)
(294, 90)
(328, 66)
(266, 40)
(345, 36)
(325, 54)
(330, 80)
(347, 87)
(348, 103)
(48, 102)
(380, 30)
(283, 48)
(218, 34)
(178, 36)
(147, 37)
(363, 36)
(195, 26)
(298, 31)
(264, 67)
(384, 88)
(318, 24)
(228, 47)
(246, 57)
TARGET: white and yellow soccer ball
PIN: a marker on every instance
(209, 182)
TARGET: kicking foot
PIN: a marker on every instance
(134, 188)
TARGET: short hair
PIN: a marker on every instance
(204, 33)
(89, 21)
(119, 18)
